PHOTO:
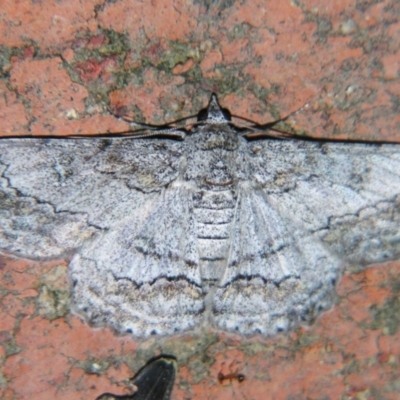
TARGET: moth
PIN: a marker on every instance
(216, 225)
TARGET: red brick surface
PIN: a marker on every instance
(351, 352)
(65, 64)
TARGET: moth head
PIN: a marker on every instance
(214, 113)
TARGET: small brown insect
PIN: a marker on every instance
(230, 376)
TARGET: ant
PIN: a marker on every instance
(231, 376)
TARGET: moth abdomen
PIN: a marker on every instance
(214, 214)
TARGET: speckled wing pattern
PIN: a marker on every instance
(310, 208)
(167, 235)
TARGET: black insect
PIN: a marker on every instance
(153, 382)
